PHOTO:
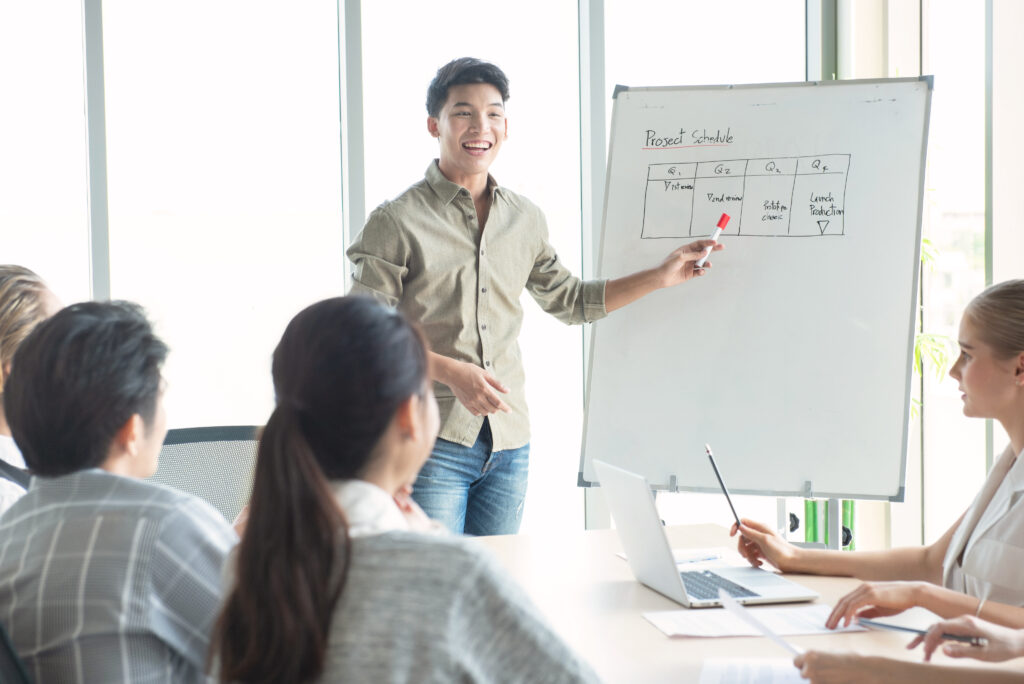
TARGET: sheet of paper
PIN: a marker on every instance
(789, 620)
(693, 555)
(734, 608)
(749, 670)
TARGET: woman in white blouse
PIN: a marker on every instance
(339, 575)
(977, 566)
(25, 301)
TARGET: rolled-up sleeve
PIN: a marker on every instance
(379, 258)
(553, 286)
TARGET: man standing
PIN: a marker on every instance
(454, 252)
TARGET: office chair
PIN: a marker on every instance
(216, 464)
(12, 670)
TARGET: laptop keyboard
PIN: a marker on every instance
(704, 584)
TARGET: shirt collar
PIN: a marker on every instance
(446, 190)
(1016, 474)
(9, 452)
(368, 508)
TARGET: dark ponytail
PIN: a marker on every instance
(341, 370)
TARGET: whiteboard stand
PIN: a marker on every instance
(835, 526)
(596, 515)
(782, 517)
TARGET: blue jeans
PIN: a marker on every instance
(474, 490)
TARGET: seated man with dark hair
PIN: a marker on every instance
(103, 577)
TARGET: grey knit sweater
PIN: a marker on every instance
(419, 608)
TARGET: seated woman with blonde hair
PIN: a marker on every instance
(25, 301)
(975, 568)
(335, 578)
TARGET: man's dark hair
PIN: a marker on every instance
(77, 379)
(460, 72)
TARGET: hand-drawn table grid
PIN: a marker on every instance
(774, 197)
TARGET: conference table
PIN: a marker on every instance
(591, 599)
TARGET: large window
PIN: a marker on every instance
(225, 175)
(947, 464)
(954, 221)
(224, 186)
(654, 43)
(43, 217)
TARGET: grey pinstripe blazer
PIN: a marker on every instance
(105, 578)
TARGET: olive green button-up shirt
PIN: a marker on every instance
(425, 254)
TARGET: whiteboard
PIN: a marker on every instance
(792, 356)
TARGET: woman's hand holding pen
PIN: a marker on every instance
(1001, 643)
(414, 515)
(759, 543)
(876, 599)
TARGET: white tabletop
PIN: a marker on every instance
(591, 599)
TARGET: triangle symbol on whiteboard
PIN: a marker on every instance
(822, 225)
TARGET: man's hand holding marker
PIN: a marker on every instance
(722, 222)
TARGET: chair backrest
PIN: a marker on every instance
(214, 463)
(12, 670)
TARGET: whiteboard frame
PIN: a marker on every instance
(808, 492)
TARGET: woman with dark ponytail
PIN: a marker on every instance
(339, 575)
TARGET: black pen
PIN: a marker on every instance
(707, 448)
(973, 641)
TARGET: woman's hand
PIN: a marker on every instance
(759, 543)
(414, 515)
(822, 667)
(875, 599)
(1001, 643)
(241, 520)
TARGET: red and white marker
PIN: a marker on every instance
(714, 236)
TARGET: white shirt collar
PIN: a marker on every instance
(368, 508)
(10, 453)
(1016, 474)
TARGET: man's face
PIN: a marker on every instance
(470, 127)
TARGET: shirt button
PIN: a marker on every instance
(483, 327)
(483, 289)
(487, 363)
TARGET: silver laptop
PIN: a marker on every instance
(650, 556)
